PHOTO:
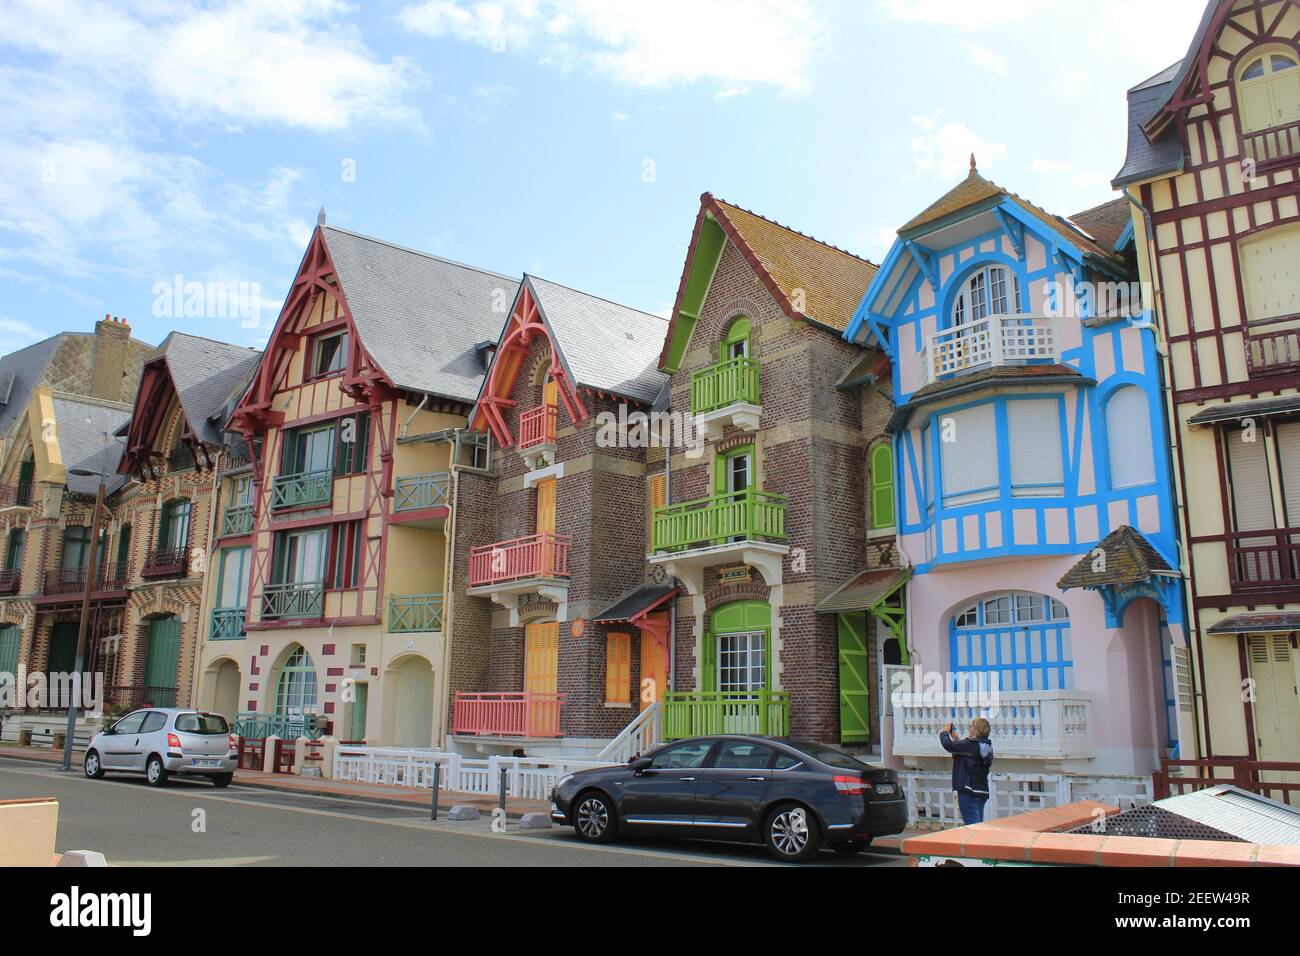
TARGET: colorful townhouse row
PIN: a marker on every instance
(1056, 457)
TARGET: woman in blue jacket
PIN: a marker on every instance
(972, 759)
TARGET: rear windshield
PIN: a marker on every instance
(210, 724)
(828, 756)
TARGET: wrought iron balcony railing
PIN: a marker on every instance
(735, 516)
(10, 582)
(108, 577)
(166, 563)
(298, 491)
(18, 495)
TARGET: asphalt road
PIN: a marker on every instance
(193, 824)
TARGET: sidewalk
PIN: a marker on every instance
(380, 793)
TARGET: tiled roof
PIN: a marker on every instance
(636, 602)
(1235, 411)
(205, 372)
(998, 374)
(865, 590)
(975, 189)
(1107, 222)
(1265, 622)
(606, 346)
(419, 316)
(1129, 558)
(832, 281)
(82, 427)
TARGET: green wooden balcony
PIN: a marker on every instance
(227, 624)
(297, 491)
(237, 520)
(293, 601)
(734, 382)
(735, 516)
(421, 492)
(284, 726)
(761, 713)
(415, 613)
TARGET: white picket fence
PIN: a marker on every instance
(931, 803)
(530, 778)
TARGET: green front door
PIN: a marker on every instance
(60, 662)
(161, 660)
(855, 719)
(10, 639)
(357, 726)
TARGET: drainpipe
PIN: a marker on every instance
(1186, 561)
(205, 592)
(406, 425)
(672, 610)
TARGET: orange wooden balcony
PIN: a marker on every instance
(535, 556)
(522, 714)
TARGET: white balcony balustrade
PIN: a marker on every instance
(999, 340)
(1034, 725)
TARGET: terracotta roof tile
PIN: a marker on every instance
(833, 281)
(1105, 223)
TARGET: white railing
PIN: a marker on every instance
(643, 734)
(931, 803)
(529, 778)
(997, 340)
(1047, 725)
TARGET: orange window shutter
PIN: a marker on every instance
(655, 498)
(546, 506)
(551, 393)
(618, 669)
(541, 658)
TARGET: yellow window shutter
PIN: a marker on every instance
(618, 669)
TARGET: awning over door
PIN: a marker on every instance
(865, 591)
(638, 604)
(1236, 411)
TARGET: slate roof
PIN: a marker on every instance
(833, 280)
(975, 189)
(81, 430)
(419, 316)
(1257, 408)
(636, 602)
(205, 373)
(22, 371)
(1266, 622)
(865, 590)
(1130, 558)
(604, 345)
(1147, 159)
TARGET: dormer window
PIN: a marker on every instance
(989, 291)
(331, 354)
(1268, 91)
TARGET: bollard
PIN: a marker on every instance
(437, 772)
(501, 798)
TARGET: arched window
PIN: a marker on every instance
(1268, 90)
(882, 486)
(1129, 439)
(1012, 641)
(992, 290)
(736, 343)
(296, 690)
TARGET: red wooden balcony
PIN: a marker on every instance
(524, 714)
(1273, 347)
(166, 563)
(537, 427)
(536, 556)
(10, 582)
(1265, 560)
(108, 577)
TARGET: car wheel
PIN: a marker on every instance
(222, 780)
(92, 766)
(792, 833)
(853, 846)
(155, 772)
(593, 818)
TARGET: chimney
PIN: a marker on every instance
(112, 353)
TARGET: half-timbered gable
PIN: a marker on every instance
(1213, 176)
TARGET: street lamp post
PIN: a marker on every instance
(83, 626)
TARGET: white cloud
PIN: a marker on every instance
(943, 151)
(732, 43)
(986, 60)
(958, 14)
(16, 334)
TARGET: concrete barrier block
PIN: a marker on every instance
(463, 813)
(535, 821)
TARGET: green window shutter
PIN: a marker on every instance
(708, 662)
(10, 637)
(882, 487)
(14, 557)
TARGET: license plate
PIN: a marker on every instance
(885, 788)
(206, 763)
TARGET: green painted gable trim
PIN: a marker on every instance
(704, 265)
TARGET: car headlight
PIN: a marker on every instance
(563, 780)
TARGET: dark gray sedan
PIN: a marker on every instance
(794, 795)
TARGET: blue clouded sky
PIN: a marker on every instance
(146, 139)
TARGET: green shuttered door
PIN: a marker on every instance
(855, 722)
(161, 661)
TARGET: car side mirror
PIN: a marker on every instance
(640, 765)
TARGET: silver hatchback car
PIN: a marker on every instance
(161, 741)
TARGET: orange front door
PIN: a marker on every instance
(541, 677)
(654, 667)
